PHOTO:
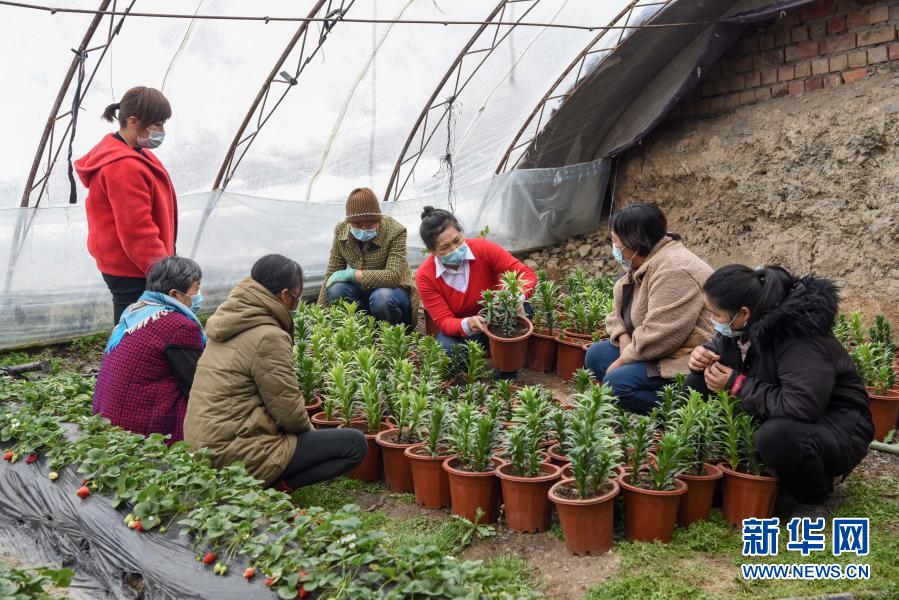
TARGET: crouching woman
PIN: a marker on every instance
(246, 404)
(775, 351)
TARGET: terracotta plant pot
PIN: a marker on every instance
(650, 514)
(371, 467)
(525, 498)
(509, 353)
(470, 491)
(431, 481)
(320, 422)
(541, 355)
(587, 525)
(570, 333)
(566, 471)
(746, 496)
(397, 470)
(884, 412)
(569, 357)
(556, 456)
(430, 325)
(697, 503)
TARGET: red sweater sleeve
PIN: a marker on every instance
(501, 261)
(130, 200)
(434, 302)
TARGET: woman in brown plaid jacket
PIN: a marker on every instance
(368, 262)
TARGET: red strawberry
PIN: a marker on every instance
(302, 592)
(138, 526)
(31, 458)
(83, 492)
(303, 574)
(209, 558)
(8, 456)
(250, 573)
(270, 582)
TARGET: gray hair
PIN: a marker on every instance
(173, 273)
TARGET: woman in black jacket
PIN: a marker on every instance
(775, 351)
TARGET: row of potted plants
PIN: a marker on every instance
(876, 359)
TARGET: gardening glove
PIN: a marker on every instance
(347, 275)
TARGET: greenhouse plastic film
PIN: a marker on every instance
(51, 289)
(90, 537)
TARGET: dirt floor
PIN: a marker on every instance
(808, 181)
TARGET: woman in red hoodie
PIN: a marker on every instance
(132, 211)
(451, 280)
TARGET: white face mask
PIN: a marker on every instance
(154, 140)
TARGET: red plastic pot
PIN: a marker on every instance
(320, 422)
(566, 471)
(650, 514)
(884, 412)
(697, 503)
(587, 525)
(556, 456)
(397, 470)
(370, 468)
(745, 496)
(472, 490)
(525, 498)
(315, 406)
(509, 353)
(430, 480)
(570, 333)
(569, 357)
(541, 356)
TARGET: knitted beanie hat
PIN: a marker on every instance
(362, 205)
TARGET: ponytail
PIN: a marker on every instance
(109, 114)
(761, 290)
(147, 105)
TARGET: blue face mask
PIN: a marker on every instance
(455, 258)
(196, 302)
(725, 328)
(153, 140)
(625, 264)
(363, 235)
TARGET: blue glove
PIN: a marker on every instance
(347, 275)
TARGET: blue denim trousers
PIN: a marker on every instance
(636, 390)
(385, 304)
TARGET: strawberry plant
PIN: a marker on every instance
(26, 584)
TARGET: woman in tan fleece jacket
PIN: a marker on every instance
(659, 314)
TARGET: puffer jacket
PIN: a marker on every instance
(796, 369)
(245, 404)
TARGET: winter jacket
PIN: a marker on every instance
(132, 210)
(141, 386)
(449, 307)
(667, 311)
(796, 369)
(245, 404)
(382, 260)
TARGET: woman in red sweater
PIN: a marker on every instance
(132, 211)
(451, 279)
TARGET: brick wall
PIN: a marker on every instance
(824, 44)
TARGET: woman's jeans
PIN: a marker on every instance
(635, 389)
(324, 454)
(385, 304)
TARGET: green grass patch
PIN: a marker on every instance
(89, 343)
(704, 560)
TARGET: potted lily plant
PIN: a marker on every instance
(570, 352)
(341, 397)
(474, 488)
(430, 480)
(652, 491)
(541, 356)
(747, 491)
(433, 361)
(475, 362)
(507, 330)
(874, 362)
(694, 423)
(525, 481)
(559, 419)
(409, 410)
(585, 502)
(371, 425)
(311, 380)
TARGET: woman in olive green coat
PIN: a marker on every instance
(245, 403)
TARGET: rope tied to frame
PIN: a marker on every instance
(76, 108)
(447, 168)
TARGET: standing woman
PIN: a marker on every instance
(451, 279)
(658, 315)
(776, 352)
(132, 211)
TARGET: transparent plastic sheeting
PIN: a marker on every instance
(51, 290)
(43, 521)
(345, 122)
